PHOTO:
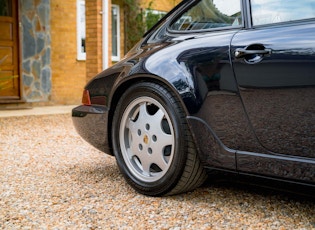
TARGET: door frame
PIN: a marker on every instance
(16, 53)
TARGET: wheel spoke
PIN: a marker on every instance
(133, 138)
(146, 164)
(158, 116)
(143, 114)
(160, 160)
(163, 138)
(131, 125)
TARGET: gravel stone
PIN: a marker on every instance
(52, 179)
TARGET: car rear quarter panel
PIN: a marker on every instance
(200, 71)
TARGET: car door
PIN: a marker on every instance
(274, 65)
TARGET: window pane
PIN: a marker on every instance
(81, 33)
(82, 26)
(6, 8)
(275, 11)
(209, 14)
(114, 31)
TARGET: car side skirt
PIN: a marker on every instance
(277, 165)
(215, 155)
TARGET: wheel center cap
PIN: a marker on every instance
(146, 139)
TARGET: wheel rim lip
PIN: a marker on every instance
(134, 166)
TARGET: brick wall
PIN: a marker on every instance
(162, 5)
(94, 52)
(68, 74)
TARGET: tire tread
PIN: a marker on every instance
(194, 174)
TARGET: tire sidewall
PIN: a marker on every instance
(167, 100)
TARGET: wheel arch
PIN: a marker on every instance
(122, 87)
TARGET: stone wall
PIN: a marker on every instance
(35, 50)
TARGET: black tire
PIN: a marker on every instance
(152, 142)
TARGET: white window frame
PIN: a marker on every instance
(117, 57)
(81, 55)
(105, 27)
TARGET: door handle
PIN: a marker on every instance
(240, 52)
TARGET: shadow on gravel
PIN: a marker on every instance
(263, 188)
(232, 186)
(217, 196)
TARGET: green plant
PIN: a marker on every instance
(133, 23)
(137, 21)
(152, 17)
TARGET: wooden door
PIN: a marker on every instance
(9, 59)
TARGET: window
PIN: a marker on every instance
(115, 33)
(81, 55)
(210, 14)
(6, 8)
(276, 11)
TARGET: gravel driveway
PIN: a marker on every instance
(51, 179)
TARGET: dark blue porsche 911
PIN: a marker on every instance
(224, 85)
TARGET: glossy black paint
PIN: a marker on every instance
(284, 81)
(90, 122)
(251, 114)
(278, 93)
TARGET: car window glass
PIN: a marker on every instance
(276, 11)
(208, 14)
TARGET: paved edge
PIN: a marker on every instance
(44, 110)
